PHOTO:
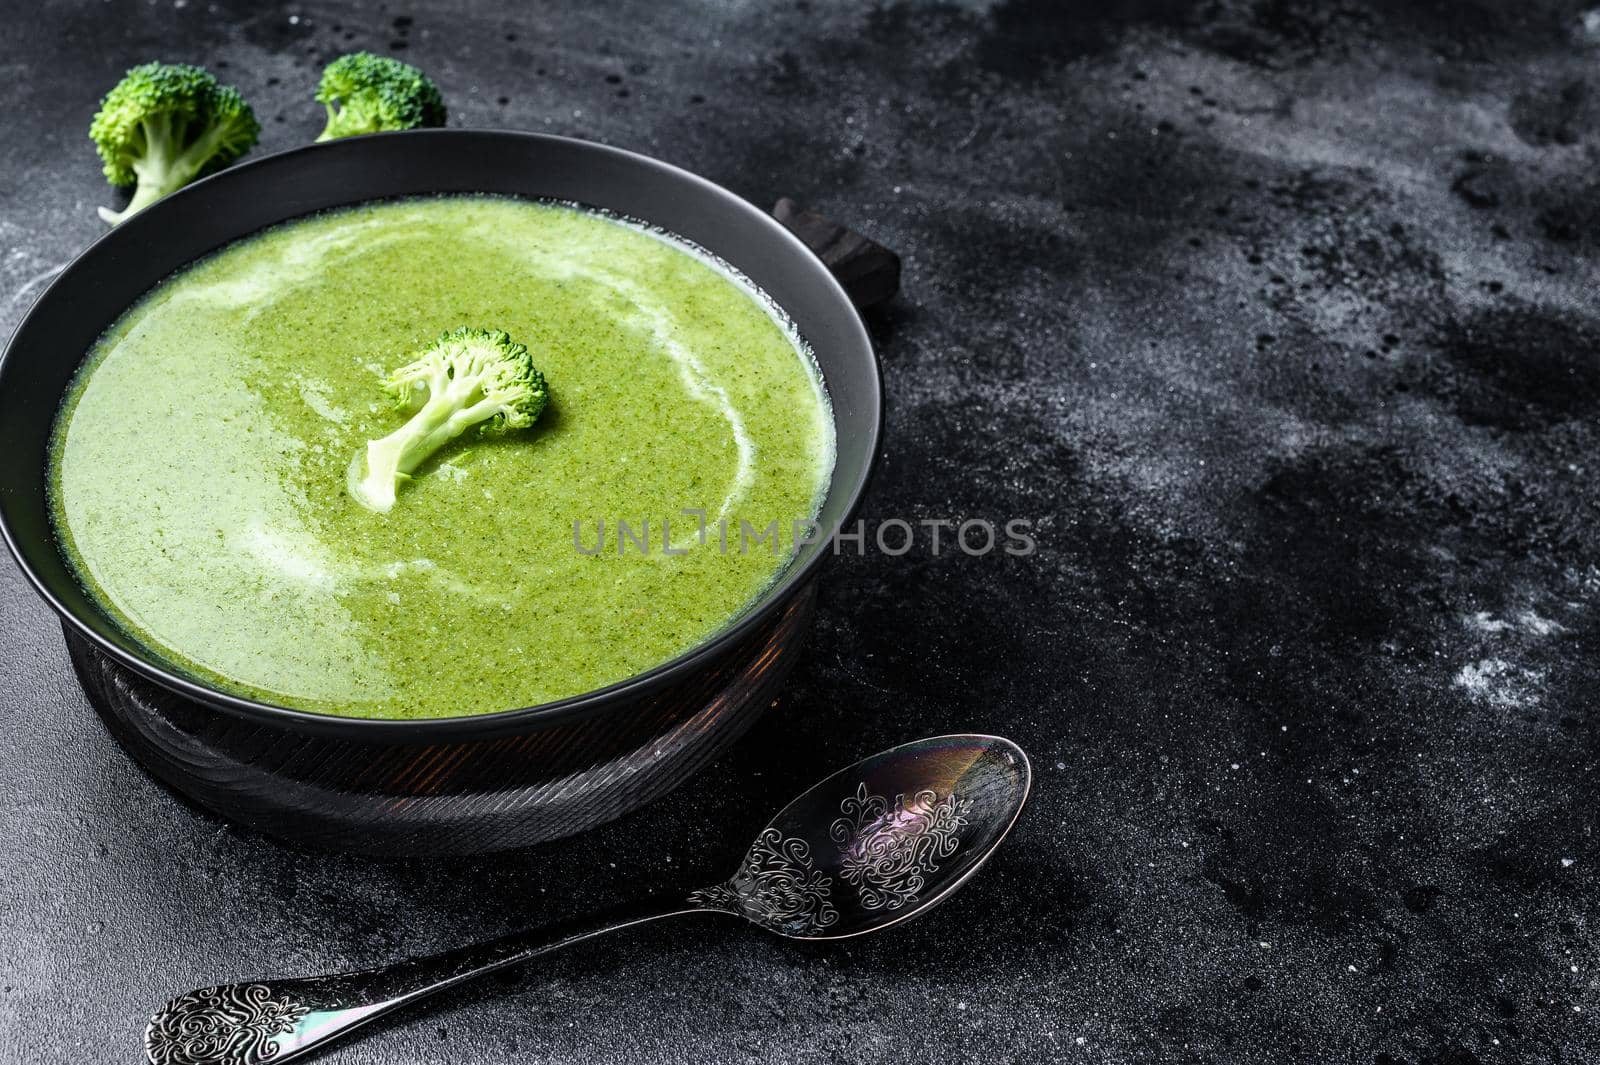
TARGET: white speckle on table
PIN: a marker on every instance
(1527, 621)
(1483, 621)
(1537, 625)
(1499, 683)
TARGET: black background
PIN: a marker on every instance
(1280, 321)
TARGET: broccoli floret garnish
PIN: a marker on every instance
(469, 377)
(366, 93)
(163, 125)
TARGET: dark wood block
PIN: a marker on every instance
(869, 272)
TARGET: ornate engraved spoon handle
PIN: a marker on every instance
(842, 859)
(275, 1020)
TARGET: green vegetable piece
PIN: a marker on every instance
(165, 124)
(470, 377)
(366, 93)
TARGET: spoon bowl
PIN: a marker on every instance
(871, 846)
(881, 841)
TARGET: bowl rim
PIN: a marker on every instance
(499, 722)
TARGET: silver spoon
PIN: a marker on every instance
(871, 846)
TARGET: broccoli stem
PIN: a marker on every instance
(163, 169)
(144, 195)
(327, 133)
(392, 459)
(469, 377)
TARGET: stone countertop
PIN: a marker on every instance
(1278, 319)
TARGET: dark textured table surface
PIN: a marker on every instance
(1278, 318)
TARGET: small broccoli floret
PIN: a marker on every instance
(163, 125)
(366, 93)
(470, 377)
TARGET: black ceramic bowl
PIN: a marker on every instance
(458, 784)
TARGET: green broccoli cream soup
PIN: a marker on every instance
(199, 469)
